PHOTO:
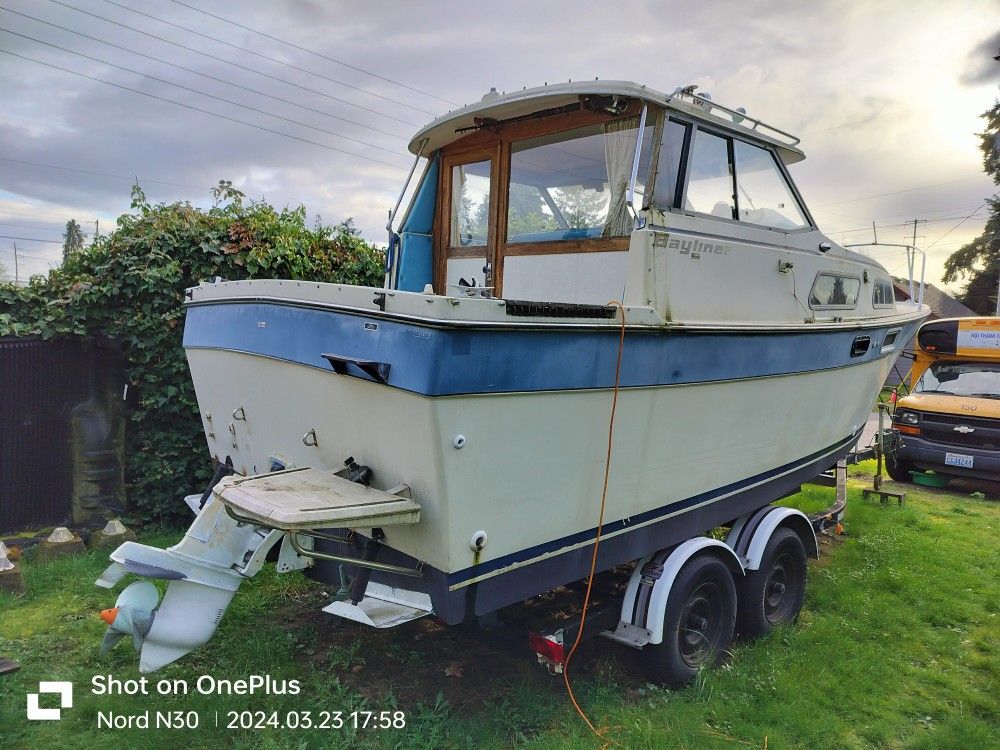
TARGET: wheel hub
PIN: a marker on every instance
(701, 624)
(780, 590)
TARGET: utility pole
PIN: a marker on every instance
(915, 222)
(15, 266)
(97, 229)
(912, 252)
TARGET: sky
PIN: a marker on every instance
(318, 109)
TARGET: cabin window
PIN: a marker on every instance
(764, 195)
(573, 185)
(832, 291)
(668, 164)
(710, 182)
(470, 204)
(882, 294)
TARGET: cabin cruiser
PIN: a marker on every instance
(437, 444)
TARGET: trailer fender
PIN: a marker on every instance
(645, 600)
(750, 534)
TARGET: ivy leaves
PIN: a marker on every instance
(130, 285)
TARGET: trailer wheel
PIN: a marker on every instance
(698, 623)
(772, 595)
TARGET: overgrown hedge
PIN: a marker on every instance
(130, 285)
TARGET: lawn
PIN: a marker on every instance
(898, 646)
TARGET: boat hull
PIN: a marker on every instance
(505, 431)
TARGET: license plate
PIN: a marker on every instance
(958, 459)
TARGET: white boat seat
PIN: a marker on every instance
(307, 498)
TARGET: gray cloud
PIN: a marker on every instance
(858, 86)
(982, 67)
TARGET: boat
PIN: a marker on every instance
(437, 445)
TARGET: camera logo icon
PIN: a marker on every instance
(65, 692)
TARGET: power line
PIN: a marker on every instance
(101, 174)
(883, 195)
(22, 254)
(205, 111)
(910, 212)
(29, 239)
(204, 75)
(955, 227)
(228, 62)
(25, 226)
(200, 93)
(903, 224)
(317, 54)
(265, 57)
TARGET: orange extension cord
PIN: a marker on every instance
(600, 525)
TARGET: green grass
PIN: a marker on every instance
(898, 646)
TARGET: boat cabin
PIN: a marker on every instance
(534, 195)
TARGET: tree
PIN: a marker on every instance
(979, 260)
(72, 239)
(583, 208)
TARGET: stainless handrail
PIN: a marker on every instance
(635, 169)
(743, 116)
(406, 184)
(303, 552)
(911, 254)
(383, 567)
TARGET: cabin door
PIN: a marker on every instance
(466, 245)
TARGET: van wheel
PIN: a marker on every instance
(897, 468)
(772, 595)
(698, 623)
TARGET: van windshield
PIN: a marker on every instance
(972, 379)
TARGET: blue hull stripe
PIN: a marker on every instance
(452, 361)
(609, 528)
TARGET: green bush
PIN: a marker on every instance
(130, 285)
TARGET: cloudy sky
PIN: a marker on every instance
(886, 97)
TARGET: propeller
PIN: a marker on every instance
(132, 614)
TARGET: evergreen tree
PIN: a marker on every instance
(72, 239)
(582, 207)
(979, 260)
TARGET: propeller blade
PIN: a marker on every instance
(141, 595)
(132, 615)
(140, 626)
(111, 637)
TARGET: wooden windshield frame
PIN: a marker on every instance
(494, 142)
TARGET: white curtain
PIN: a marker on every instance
(619, 150)
(457, 191)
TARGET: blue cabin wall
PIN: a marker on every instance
(416, 253)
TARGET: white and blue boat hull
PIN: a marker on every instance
(711, 424)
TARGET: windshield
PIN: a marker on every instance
(978, 380)
(573, 185)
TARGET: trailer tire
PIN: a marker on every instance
(772, 595)
(698, 623)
